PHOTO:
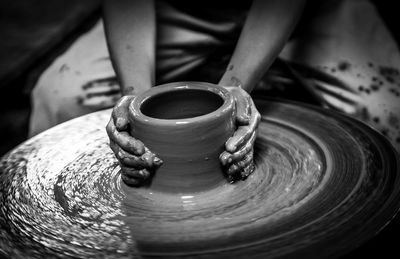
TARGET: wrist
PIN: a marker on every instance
(135, 88)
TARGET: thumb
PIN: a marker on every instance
(120, 112)
(243, 105)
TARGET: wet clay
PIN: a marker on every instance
(318, 175)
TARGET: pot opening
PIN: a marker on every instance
(181, 104)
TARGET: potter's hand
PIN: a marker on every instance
(238, 155)
(137, 161)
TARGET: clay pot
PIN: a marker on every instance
(186, 124)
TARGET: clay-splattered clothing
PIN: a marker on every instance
(344, 39)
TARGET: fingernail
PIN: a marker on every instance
(158, 162)
(231, 148)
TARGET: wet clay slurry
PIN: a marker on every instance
(318, 175)
(186, 124)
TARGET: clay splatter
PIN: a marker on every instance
(395, 92)
(344, 66)
(374, 87)
(64, 68)
(364, 89)
(389, 73)
(393, 120)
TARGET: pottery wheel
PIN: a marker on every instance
(323, 185)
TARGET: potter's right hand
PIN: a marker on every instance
(137, 161)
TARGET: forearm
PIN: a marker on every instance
(130, 29)
(266, 30)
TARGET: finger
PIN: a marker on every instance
(130, 172)
(131, 181)
(147, 160)
(255, 114)
(151, 159)
(127, 159)
(228, 158)
(125, 140)
(241, 165)
(225, 158)
(120, 112)
(245, 149)
(243, 109)
(243, 133)
(249, 169)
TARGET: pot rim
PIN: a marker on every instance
(137, 102)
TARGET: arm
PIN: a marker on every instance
(130, 29)
(266, 30)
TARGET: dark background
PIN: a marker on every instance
(26, 49)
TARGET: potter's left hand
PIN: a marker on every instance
(136, 160)
(237, 158)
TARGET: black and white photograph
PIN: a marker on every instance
(199, 129)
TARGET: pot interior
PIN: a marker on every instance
(181, 104)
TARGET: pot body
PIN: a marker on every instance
(186, 124)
